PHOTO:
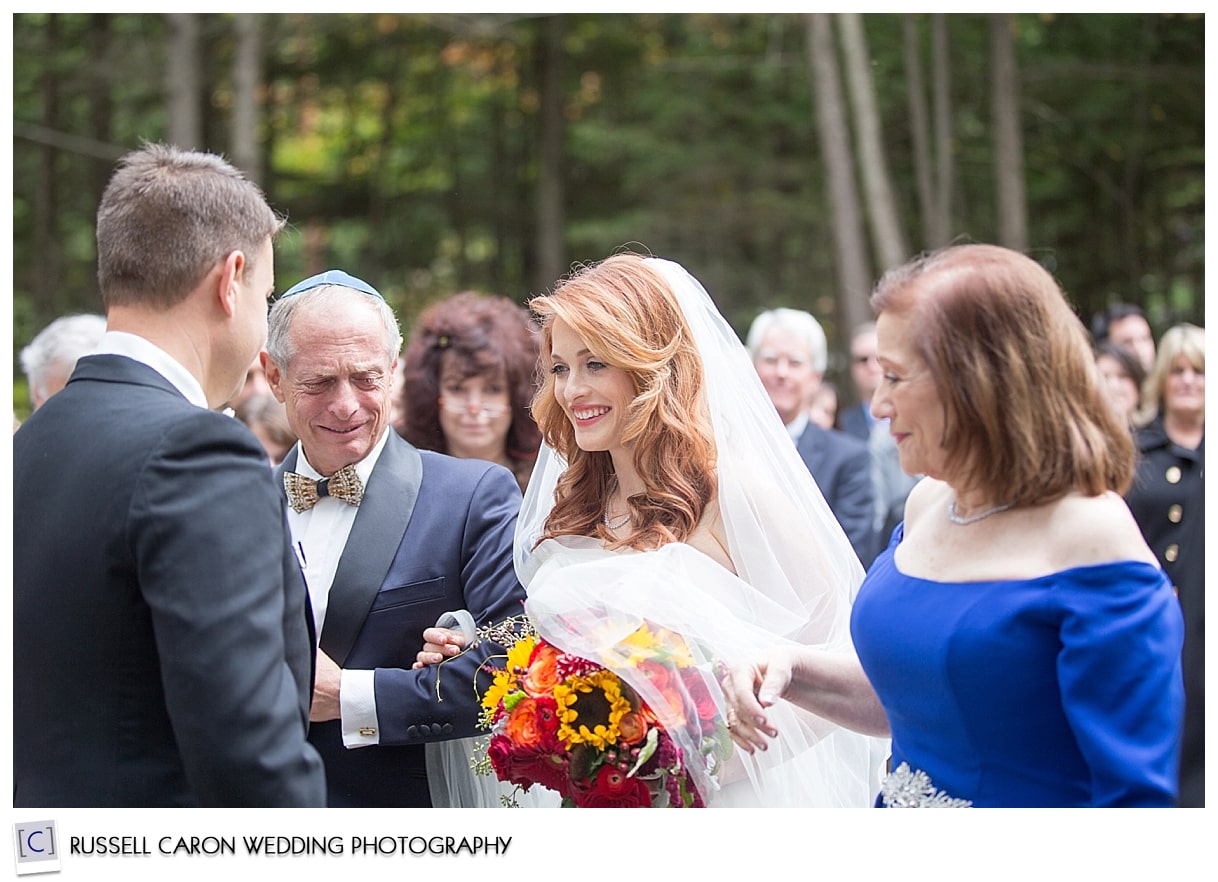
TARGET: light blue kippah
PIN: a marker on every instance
(332, 277)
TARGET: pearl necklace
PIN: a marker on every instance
(972, 519)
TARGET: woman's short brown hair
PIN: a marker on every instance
(1025, 415)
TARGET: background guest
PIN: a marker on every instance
(397, 414)
(1017, 638)
(255, 382)
(865, 374)
(789, 352)
(1123, 378)
(823, 408)
(469, 379)
(892, 484)
(1168, 500)
(268, 420)
(49, 358)
(1125, 324)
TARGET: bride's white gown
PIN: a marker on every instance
(797, 576)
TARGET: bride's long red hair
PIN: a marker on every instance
(625, 312)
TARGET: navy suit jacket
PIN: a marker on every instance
(853, 421)
(841, 465)
(162, 638)
(433, 534)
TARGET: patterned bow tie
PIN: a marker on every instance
(303, 492)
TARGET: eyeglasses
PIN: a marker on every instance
(464, 405)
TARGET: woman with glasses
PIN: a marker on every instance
(469, 380)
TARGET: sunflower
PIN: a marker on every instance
(644, 644)
(590, 709)
(507, 679)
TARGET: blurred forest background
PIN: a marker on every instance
(785, 159)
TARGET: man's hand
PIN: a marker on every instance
(325, 690)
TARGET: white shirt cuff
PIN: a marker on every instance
(357, 704)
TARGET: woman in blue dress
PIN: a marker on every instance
(1017, 640)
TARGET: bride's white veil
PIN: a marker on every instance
(796, 577)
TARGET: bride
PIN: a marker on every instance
(668, 492)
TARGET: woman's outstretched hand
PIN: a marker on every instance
(749, 689)
(438, 644)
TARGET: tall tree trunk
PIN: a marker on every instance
(247, 78)
(849, 238)
(1008, 136)
(940, 230)
(48, 295)
(919, 126)
(101, 107)
(551, 262)
(183, 79)
(886, 233)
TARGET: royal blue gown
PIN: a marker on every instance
(1063, 690)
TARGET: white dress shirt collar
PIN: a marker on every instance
(147, 353)
(363, 468)
(796, 427)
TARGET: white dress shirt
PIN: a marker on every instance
(320, 534)
(138, 349)
(796, 427)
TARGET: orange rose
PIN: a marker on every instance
(665, 681)
(542, 675)
(533, 724)
(633, 727)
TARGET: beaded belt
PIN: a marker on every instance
(905, 788)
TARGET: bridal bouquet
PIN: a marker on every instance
(579, 729)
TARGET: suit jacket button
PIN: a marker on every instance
(1173, 475)
(446, 729)
(425, 729)
(1172, 552)
(1175, 514)
(412, 732)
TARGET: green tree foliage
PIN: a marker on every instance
(405, 148)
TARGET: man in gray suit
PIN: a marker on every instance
(789, 351)
(162, 639)
(891, 484)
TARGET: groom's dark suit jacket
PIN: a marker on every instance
(433, 534)
(162, 640)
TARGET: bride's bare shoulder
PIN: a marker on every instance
(710, 536)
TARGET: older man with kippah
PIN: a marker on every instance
(391, 539)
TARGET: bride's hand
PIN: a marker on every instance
(749, 689)
(438, 644)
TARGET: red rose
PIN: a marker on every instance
(613, 789)
(704, 702)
